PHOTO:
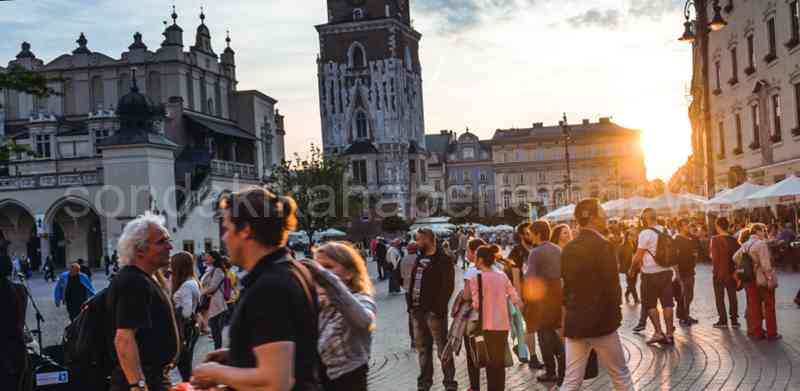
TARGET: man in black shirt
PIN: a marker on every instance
(145, 335)
(687, 249)
(432, 284)
(274, 330)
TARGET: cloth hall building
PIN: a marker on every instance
(165, 130)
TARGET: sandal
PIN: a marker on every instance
(657, 338)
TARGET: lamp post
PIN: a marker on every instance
(697, 32)
(566, 133)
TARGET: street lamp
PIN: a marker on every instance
(700, 36)
(565, 131)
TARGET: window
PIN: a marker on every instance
(739, 145)
(358, 14)
(469, 153)
(506, 199)
(97, 93)
(542, 176)
(556, 154)
(437, 185)
(751, 55)
(423, 171)
(734, 68)
(483, 176)
(773, 54)
(210, 106)
(716, 73)
(43, 146)
(721, 140)
(776, 118)
(360, 171)
(505, 179)
(522, 197)
(99, 135)
(412, 166)
(361, 125)
(465, 176)
(357, 57)
(756, 125)
(794, 14)
(454, 194)
(521, 179)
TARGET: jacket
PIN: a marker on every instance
(61, 286)
(592, 295)
(211, 284)
(762, 262)
(722, 249)
(543, 292)
(437, 284)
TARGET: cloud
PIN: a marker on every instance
(609, 18)
(457, 16)
(654, 9)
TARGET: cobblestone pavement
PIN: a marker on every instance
(703, 358)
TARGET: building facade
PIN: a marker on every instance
(86, 177)
(470, 175)
(755, 99)
(370, 92)
(438, 147)
(606, 162)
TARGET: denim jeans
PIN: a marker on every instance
(430, 328)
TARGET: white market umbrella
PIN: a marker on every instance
(785, 191)
(562, 214)
(504, 228)
(728, 199)
(625, 207)
(674, 203)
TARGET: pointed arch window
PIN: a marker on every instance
(362, 130)
(357, 56)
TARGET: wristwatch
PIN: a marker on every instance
(140, 385)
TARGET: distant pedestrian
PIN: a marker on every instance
(185, 291)
(491, 289)
(687, 249)
(592, 301)
(625, 260)
(73, 289)
(144, 329)
(656, 279)
(761, 291)
(49, 269)
(393, 257)
(213, 306)
(380, 257)
(432, 284)
(723, 246)
(346, 317)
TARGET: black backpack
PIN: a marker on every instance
(85, 339)
(746, 271)
(666, 252)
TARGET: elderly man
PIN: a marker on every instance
(72, 289)
(145, 335)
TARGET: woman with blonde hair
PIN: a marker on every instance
(760, 291)
(185, 297)
(346, 316)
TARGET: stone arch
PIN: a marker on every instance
(82, 239)
(18, 230)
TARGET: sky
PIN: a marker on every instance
(487, 64)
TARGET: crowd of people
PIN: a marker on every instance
(554, 302)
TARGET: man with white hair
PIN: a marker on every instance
(145, 335)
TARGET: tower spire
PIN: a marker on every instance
(174, 15)
(228, 38)
(202, 15)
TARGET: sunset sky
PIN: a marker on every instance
(487, 64)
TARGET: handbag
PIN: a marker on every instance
(481, 353)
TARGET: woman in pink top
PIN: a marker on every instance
(495, 288)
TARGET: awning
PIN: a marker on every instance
(218, 126)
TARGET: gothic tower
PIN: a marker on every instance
(370, 92)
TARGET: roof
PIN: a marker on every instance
(361, 147)
(257, 93)
(219, 126)
(437, 143)
(546, 133)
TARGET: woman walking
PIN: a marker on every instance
(186, 298)
(761, 291)
(490, 291)
(626, 252)
(346, 316)
(213, 301)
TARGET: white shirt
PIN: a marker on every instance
(187, 297)
(648, 241)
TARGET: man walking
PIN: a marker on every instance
(656, 279)
(518, 257)
(723, 246)
(73, 289)
(687, 248)
(544, 272)
(144, 331)
(274, 330)
(432, 283)
(592, 301)
(380, 258)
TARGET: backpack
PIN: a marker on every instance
(746, 270)
(666, 252)
(85, 340)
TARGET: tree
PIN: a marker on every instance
(318, 186)
(22, 80)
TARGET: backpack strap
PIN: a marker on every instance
(480, 301)
(303, 276)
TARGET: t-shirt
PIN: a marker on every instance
(687, 249)
(273, 307)
(136, 301)
(544, 262)
(648, 240)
